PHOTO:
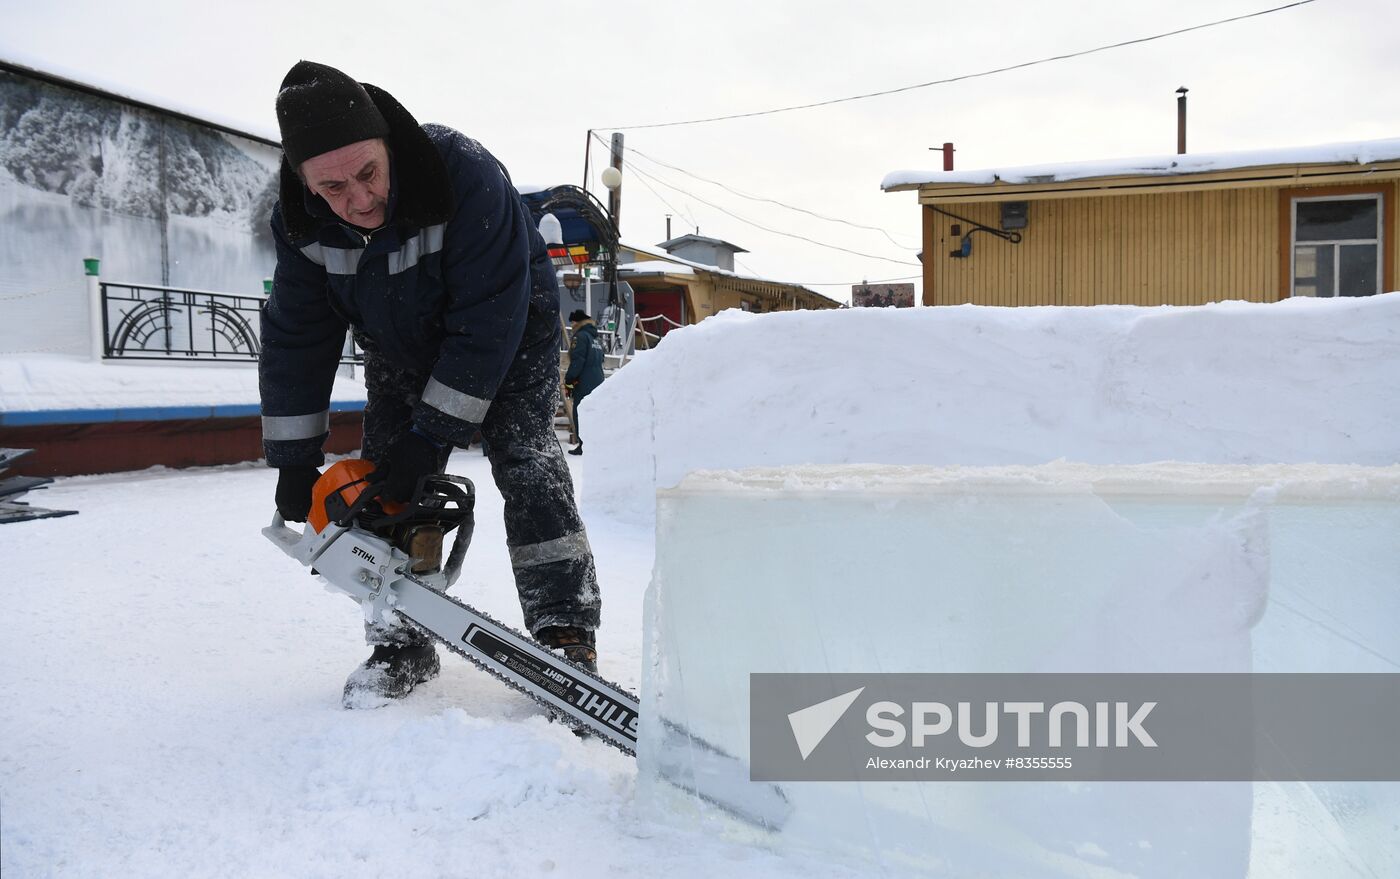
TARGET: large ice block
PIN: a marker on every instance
(1055, 568)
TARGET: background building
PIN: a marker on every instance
(1174, 230)
(673, 288)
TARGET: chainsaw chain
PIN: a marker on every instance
(555, 712)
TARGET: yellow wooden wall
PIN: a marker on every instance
(1162, 248)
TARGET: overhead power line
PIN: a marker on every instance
(661, 198)
(965, 76)
(853, 283)
(745, 220)
(772, 201)
(740, 263)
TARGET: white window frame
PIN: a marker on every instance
(1378, 241)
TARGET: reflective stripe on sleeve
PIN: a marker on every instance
(337, 260)
(570, 546)
(296, 427)
(425, 242)
(455, 403)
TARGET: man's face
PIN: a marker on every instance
(354, 181)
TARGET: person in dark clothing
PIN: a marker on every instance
(585, 365)
(415, 239)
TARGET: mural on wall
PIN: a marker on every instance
(160, 200)
(882, 295)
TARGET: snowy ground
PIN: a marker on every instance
(170, 682)
(169, 706)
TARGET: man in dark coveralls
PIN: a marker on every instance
(414, 238)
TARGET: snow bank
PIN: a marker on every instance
(1229, 383)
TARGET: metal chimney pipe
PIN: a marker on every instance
(668, 227)
(1181, 120)
(947, 157)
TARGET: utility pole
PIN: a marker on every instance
(615, 209)
(615, 192)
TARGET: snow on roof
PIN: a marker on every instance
(655, 266)
(671, 243)
(663, 256)
(85, 81)
(673, 261)
(1356, 152)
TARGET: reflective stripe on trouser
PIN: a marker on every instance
(550, 556)
(554, 572)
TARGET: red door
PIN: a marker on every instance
(664, 306)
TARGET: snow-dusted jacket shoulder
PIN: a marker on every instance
(447, 289)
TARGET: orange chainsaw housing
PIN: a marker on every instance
(343, 483)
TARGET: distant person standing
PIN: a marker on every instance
(585, 365)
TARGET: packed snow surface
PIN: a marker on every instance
(170, 706)
(38, 383)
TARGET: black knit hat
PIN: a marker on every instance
(320, 109)
(578, 316)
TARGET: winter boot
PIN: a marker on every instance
(577, 451)
(575, 643)
(390, 673)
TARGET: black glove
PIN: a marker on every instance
(294, 491)
(410, 458)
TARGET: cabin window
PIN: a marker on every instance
(1337, 245)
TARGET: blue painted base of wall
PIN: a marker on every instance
(145, 413)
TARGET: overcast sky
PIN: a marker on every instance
(529, 79)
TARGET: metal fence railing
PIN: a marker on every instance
(143, 322)
(648, 337)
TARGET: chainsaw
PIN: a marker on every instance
(355, 540)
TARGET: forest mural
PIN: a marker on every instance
(159, 199)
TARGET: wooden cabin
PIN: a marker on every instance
(1175, 230)
(671, 290)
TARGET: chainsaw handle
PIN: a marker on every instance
(280, 534)
(436, 494)
(306, 546)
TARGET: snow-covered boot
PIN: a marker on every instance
(575, 643)
(390, 673)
